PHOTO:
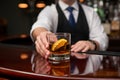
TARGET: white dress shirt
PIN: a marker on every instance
(48, 18)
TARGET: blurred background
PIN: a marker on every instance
(17, 17)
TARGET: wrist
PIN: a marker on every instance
(94, 43)
(36, 32)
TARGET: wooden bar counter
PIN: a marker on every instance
(22, 62)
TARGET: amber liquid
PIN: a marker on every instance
(60, 68)
(62, 53)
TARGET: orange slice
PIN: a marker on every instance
(58, 44)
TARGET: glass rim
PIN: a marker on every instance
(62, 33)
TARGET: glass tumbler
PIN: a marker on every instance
(59, 46)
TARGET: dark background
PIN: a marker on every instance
(18, 21)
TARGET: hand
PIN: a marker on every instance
(82, 46)
(42, 44)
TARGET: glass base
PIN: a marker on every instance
(59, 57)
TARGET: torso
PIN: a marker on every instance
(78, 32)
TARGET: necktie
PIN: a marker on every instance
(71, 17)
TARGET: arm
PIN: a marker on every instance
(97, 32)
(36, 32)
(40, 39)
(39, 31)
(98, 39)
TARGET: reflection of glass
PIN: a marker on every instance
(41, 65)
(60, 68)
(79, 64)
(59, 46)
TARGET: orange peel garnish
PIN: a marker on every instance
(58, 44)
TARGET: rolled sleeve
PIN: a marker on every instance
(97, 32)
(43, 20)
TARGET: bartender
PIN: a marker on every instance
(70, 16)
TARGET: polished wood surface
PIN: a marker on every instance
(114, 44)
(21, 61)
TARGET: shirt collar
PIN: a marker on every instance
(64, 6)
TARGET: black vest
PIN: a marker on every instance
(79, 32)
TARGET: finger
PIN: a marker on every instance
(72, 46)
(85, 49)
(52, 38)
(77, 47)
(44, 40)
(38, 48)
(43, 49)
